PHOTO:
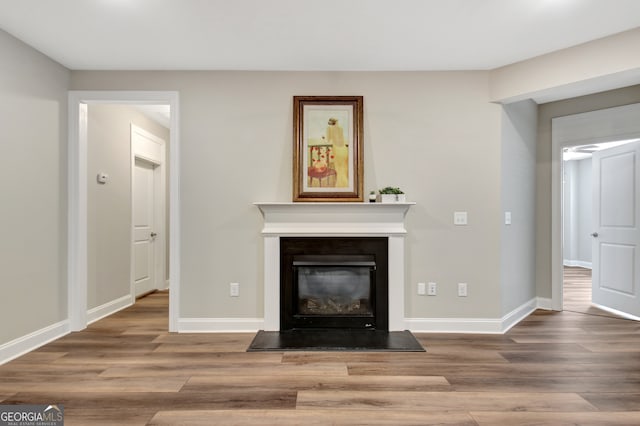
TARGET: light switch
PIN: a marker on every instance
(459, 218)
(507, 218)
(422, 289)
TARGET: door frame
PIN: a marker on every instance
(159, 220)
(605, 125)
(78, 102)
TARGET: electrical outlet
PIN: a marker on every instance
(421, 289)
(234, 289)
(462, 289)
(432, 289)
(459, 218)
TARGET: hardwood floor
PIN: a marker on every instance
(577, 292)
(553, 368)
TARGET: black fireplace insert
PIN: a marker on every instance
(334, 283)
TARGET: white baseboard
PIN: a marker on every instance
(578, 263)
(220, 325)
(454, 325)
(518, 314)
(544, 303)
(473, 325)
(97, 313)
(419, 325)
(31, 341)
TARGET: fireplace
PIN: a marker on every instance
(310, 220)
(334, 282)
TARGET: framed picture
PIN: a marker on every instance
(327, 148)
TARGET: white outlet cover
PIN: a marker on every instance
(432, 289)
(459, 218)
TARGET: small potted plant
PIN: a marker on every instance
(391, 194)
(372, 196)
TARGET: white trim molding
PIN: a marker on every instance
(577, 263)
(474, 325)
(544, 303)
(220, 325)
(99, 312)
(455, 325)
(418, 325)
(32, 341)
(77, 195)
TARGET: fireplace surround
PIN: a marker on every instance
(310, 220)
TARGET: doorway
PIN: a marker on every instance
(579, 224)
(573, 133)
(79, 102)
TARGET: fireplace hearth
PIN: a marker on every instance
(334, 283)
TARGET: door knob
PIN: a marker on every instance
(594, 235)
(153, 235)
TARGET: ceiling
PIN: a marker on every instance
(337, 35)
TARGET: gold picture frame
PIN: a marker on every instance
(327, 148)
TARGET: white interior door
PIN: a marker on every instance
(148, 212)
(143, 227)
(616, 237)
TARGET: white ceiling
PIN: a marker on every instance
(309, 34)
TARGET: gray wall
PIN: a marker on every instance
(546, 112)
(109, 205)
(424, 132)
(517, 272)
(33, 182)
(577, 212)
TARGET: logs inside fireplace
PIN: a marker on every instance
(334, 283)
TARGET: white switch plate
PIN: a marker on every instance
(462, 289)
(459, 218)
(234, 289)
(507, 218)
(432, 289)
(422, 289)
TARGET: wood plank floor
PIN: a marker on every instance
(577, 292)
(553, 368)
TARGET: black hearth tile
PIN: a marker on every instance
(335, 340)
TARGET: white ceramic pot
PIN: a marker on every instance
(387, 198)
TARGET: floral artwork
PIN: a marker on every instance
(327, 151)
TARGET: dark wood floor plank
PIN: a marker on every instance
(443, 401)
(95, 384)
(219, 398)
(311, 418)
(614, 401)
(556, 419)
(304, 382)
(454, 370)
(544, 384)
(260, 369)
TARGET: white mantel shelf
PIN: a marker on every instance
(282, 218)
